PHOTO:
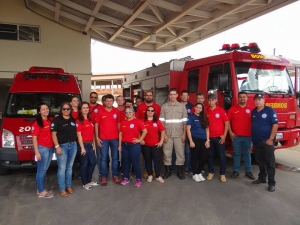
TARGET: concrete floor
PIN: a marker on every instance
(174, 202)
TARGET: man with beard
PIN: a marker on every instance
(148, 102)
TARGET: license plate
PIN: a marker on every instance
(279, 136)
(53, 157)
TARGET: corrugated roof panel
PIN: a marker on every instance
(75, 12)
(128, 3)
(85, 3)
(113, 13)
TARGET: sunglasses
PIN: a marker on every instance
(150, 110)
(93, 97)
(66, 109)
(128, 112)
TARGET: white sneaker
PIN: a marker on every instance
(150, 178)
(196, 178)
(201, 178)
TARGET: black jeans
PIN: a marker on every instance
(219, 149)
(152, 153)
(198, 155)
(264, 156)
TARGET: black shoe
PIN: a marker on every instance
(167, 172)
(180, 172)
(258, 181)
(234, 174)
(250, 175)
(271, 188)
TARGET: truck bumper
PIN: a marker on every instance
(9, 160)
(287, 138)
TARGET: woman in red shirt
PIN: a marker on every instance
(85, 134)
(74, 103)
(152, 142)
(129, 144)
(43, 147)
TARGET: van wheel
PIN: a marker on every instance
(4, 171)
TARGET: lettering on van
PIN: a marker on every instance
(259, 56)
(277, 105)
(22, 129)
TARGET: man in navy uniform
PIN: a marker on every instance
(264, 127)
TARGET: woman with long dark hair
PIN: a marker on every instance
(129, 145)
(74, 103)
(85, 134)
(198, 135)
(152, 143)
(64, 137)
(43, 147)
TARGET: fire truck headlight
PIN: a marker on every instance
(8, 140)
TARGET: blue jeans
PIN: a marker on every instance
(242, 145)
(98, 153)
(187, 162)
(131, 155)
(42, 166)
(219, 149)
(87, 164)
(113, 145)
(65, 162)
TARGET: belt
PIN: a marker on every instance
(88, 142)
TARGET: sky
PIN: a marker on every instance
(277, 30)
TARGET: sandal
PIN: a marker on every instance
(87, 188)
(63, 193)
(70, 190)
(37, 191)
(47, 195)
(94, 184)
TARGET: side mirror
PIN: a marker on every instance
(223, 81)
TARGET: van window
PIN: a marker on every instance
(193, 78)
(214, 71)
(25, 104)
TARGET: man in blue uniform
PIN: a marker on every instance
(264, 127)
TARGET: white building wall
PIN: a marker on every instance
(58, 46)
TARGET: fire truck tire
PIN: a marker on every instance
(4, 171)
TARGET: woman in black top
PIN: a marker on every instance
(64, 137)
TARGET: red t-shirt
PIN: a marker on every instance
(142, 108)
(75, 115)
(122, 115)
(44, 136)
(94, 112)
(240, 120)
(130, 129)
(152, 136)
(108, 123)
(86, 129)
(217, 118)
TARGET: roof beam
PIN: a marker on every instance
(167, 5)
(183, 25)
(57, 11)
(94, 13)
(200, 13)
(103, 24)
(148, 17)
(219, 14)
(187, 19)
(157, 13)
(138, 10)
(143, 23)
(172, 30)
(231, 2)
(101, 33)
(117, 7)
(145, 38)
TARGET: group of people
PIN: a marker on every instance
(190, 136)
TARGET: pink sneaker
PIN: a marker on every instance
(125, 181)
(138, 183)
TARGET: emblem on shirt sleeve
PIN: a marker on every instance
(73, 124)
(247, 110)
(131, 126)
(274, 115)
(264, 115)
(217, 115)
(52, 124)
(115, 116)
(155, 124)
(96, 110)
(189, 111)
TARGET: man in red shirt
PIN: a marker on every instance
(107, 137)
(240, 133)
(218, 128)
(148, 102)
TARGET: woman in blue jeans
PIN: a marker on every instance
(43, 147)
(129, 145)
(64, 137)
(85, 134)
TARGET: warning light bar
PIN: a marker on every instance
(252, 47)
(46, 69)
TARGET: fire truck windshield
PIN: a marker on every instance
(25, 104)
(266, 78)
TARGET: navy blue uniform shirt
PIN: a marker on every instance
(262, 123)
(189, 107)
(196, 127)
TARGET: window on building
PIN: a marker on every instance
(19, 32)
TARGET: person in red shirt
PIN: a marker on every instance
(148, 102)
(240, 133)
(107, 133)
(43, 147)
(152, 143)
(218, 128)
(74, 103)
(85, 133)
(129, 145)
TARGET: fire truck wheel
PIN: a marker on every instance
(4, 171)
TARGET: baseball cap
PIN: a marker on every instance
(259, 96)
(211, 96)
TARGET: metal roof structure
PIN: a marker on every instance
(152, 25)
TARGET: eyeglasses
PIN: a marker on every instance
(94, 97)
(66, 109)
(128, 112)
(150, 110)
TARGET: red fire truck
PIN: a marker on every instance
(238, 69)
(40, 84)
